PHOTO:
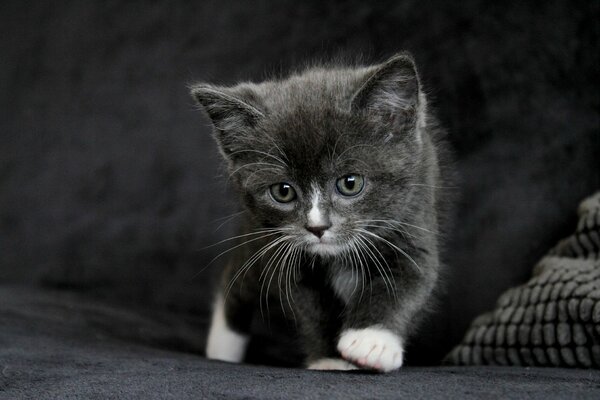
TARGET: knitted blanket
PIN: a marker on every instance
(552, 320)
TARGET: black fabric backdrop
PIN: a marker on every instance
(110, 184)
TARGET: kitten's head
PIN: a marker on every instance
(324, 154)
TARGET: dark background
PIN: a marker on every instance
(110, 183)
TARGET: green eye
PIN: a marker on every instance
(282, 192)
(350, 185)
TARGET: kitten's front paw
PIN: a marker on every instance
(331, 364)
(372, 348)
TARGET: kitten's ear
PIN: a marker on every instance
(231, 110)
(391, 93)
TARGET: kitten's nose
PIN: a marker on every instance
(318, 231)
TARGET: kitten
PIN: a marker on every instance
(339, 171)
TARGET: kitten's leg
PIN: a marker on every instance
(318, 326)
(230, 325)
(224, 343)
(374, 332)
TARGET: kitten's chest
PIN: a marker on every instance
(345, 282)
(338, 280)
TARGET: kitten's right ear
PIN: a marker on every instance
(230, 110)
(391, 93)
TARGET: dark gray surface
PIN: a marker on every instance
(54, 345)
(109, 181)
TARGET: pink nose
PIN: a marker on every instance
(318, 231)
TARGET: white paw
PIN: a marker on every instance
(331, 364)
(224, 343)
(372, 348)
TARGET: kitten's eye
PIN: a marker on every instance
(350, 185)
(282, 192)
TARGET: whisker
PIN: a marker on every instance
(269, 246)
(347, 261)
(377, 264)
(280, 272)
(227, 216)
(389, 277)
(278, 149)
(257, 232)
(359, 161)
(271, 263)
(263, 236)
(353, 147)
(399, 230)
(262, 153)
(285, 253)
(392, 246)
(273, 166)
(227, 219)
(288, 264)
(391, 221)
(433, 186)
(232, 248)
(363, 268)
(354, 270)
(251, 261)
(288, 283)
(335, 145)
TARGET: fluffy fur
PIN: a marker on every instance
(355, 271)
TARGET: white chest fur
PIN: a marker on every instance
(346, 283)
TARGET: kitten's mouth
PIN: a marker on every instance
(325, 247)
(329, 244)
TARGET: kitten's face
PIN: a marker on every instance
(323, 156)
(322, 191)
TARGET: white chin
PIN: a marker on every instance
(326, 249)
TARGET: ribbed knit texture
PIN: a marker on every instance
(552, 320)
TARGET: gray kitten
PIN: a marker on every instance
(339, 171)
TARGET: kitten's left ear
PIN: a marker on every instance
(391, 93)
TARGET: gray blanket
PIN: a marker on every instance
(55, 345)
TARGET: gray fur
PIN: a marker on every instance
(311, 129)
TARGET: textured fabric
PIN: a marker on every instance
(56, 345)
(552, 320)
